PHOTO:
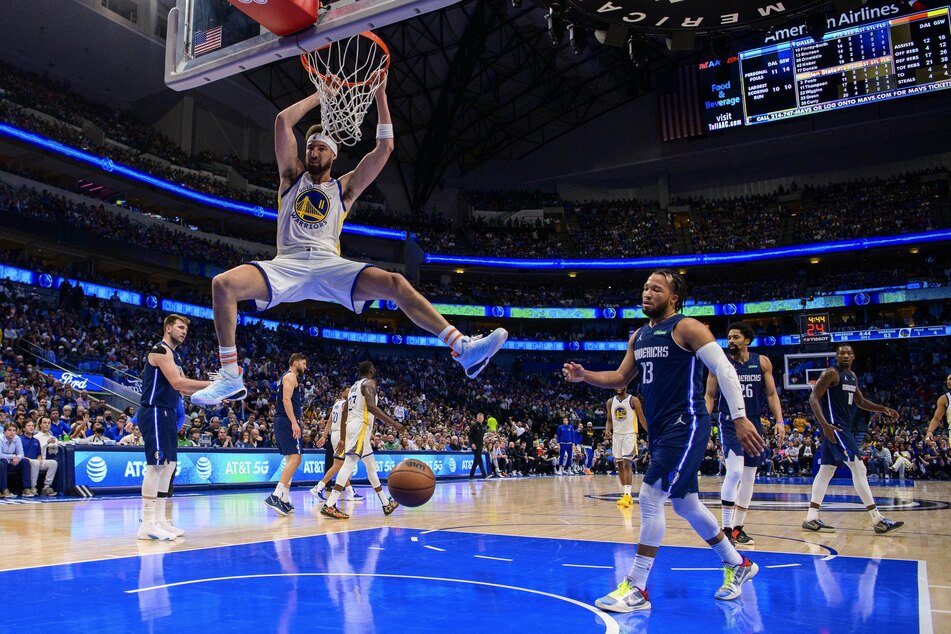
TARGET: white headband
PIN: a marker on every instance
(326, 140)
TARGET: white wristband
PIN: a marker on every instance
(384, 131)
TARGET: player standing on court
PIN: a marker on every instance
(566, 437)
(162, 386)
(312, 207)
(287, 416)
(942, 410)
(835, 401)
(333, 455)
(755, 372)
(624, 414)
(664, 353)
(362, 410)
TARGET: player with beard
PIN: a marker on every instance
(835, 401)
(942, 410)
(664, 355)
(287, 417)
(755, 372)
(312, 207)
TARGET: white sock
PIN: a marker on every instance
(334, 497)
(385, 500)
(739, 516)
(627, 489)
(148, 510)
(452, 338)
(640, 570)
(350, 490)
(160, 517)
(727, 509)
(876, 515)
(229, 359)
(812, 514)
(727, 553)
(280, 492)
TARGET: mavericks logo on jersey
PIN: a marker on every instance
(311, 208)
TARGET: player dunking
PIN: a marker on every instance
(942, 410)
(162, 387)
(755, 372)
(312, 208)
(624, 414)
(835, 401)
(362, 410)
(665, 353)
(287, 417)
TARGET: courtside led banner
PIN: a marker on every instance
(113, 467)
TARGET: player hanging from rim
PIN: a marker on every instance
(335, 450)
(624, 415)
(942, 410)
(287, 417)
(356, 430)
(755, 372)
(162, 386)
(835, 401)
(312, 208)
(664, 354)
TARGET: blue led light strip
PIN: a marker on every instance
(822, 248)
(108, 165)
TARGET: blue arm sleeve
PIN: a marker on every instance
(180, 412)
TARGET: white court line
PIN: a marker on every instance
(827, 557)
(374, 548)
(925, 626)
(414, 539)
(434, 530)
(697, 569)
(492, 558)
(610, 625)
(942, 611)
(442, 550)
(587, 566)
(784, 566)
(943, 587)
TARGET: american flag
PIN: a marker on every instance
(205, 41)
(680, 110)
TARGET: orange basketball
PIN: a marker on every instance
(411, 483)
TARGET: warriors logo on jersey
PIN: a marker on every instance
(311, 207)
(620, 413)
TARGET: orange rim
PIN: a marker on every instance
(370, 35)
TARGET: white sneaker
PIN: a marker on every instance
(478, 350)
(315, 490)
(154, 531)
(353, 496)
(174, 530)
(223, 387)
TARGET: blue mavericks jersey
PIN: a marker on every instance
(838, 404)
(156, 390)
(754, 391)
(296, 400)
(671, 377)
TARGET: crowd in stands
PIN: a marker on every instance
(423, 389)
(620, 229)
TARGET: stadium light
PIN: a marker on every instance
(556, 24)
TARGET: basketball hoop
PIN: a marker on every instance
(347, 75)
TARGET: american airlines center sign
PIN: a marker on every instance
(692, 15)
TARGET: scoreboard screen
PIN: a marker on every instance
(815, 328)
(863, 64)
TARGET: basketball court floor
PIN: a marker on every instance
(481, 556)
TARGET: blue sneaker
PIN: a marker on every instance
(733, 579)
(223, 387)
(886, 525)
(323, 494)
(277, 504)
(354, 497)
(288, 506)
(478, 351)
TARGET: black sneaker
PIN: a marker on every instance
(887, 526)
(741, 537)
(277, 504)
(728, 532)
(389, 508)
(818, 526)
(288, 506)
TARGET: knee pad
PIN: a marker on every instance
(653, 523)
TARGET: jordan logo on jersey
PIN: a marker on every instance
(310, 208)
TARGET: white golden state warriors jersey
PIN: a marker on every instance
(624, 416)
(357, 414)
(310, 214)
(335, 415)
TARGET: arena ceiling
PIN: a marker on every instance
(480, 80)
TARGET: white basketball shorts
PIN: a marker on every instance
(316, 275)
(358, 441)
(623, 446)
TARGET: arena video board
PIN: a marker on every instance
(108, 468)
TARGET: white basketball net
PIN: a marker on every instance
(347, 75)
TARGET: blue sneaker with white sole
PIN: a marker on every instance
(478, 351)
